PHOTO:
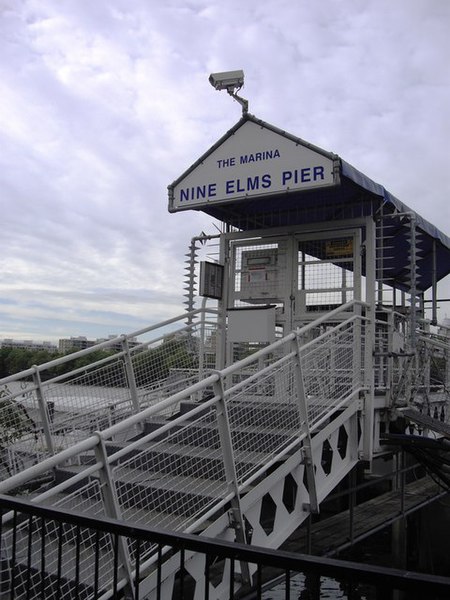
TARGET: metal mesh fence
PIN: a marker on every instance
(88, 402)
(45, 410)
(55, 558)
(325, 272)
(153, 365)
(170, 469)
(173, 480)
(22, 440)
(329, 365)
(263, 417)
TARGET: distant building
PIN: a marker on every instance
(117, 345)
(73, 344)
(67, 345)
(28, 345)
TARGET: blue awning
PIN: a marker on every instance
(378, 190)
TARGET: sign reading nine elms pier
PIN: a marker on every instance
(253, 160)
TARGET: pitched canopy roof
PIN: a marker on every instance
(258, 176)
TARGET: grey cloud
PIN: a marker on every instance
(103, 104)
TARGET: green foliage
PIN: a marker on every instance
(155, 364)
(15, 360)
(150, 365)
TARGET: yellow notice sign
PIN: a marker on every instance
(339, 248)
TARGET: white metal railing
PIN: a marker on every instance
(402, 372)
(47, 408)
(43, 411)
(175, 473)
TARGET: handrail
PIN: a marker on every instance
(287, 561)
(281, 376)
(258, 412)
(102, 345)
(330, 315)
(136, 419)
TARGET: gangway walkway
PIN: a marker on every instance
(427, 422)
(331, 535)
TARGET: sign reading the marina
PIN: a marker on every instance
(253, 161)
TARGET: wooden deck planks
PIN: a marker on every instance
(329, 534)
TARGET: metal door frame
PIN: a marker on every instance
(327, 230)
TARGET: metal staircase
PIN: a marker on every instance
(244, 454)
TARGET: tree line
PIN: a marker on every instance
(15, 360)
(151, 365)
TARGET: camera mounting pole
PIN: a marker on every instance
(242, 101)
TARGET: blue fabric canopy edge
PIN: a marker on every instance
(368, 184)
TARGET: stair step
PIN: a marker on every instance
(177, 459)
(258, 429)
(158, 495)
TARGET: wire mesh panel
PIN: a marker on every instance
(325, 273)
(259, 273)
(329, 369)
(89, 401)
(264, 416)
(241, 350)
(49, 408)
(175, 360)
(22, 440)
(173, 480)
(209, 348)
(56, 560)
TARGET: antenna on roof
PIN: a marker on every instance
(232, 81)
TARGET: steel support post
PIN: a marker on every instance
(369, 343)
(352, 504)
(221, 342)
(357, 349)
(201, 344)
(402, 482)
(130, 374)
(43, 407)
(309, 535)
(434, 286)
(413, 291)
(304, 429)
(235, 515)
(112, 510)
(390, 348)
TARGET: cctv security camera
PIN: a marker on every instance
(230, 80)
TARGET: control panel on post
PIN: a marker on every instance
(263, 275)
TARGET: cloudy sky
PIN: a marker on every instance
(103, 103)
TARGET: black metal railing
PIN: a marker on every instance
(27, 574)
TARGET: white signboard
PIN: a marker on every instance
(254, 161)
